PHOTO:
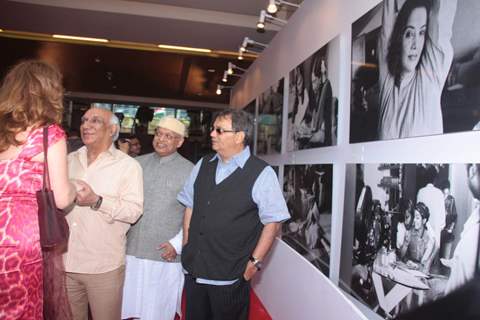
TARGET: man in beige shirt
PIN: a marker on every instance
(109, 199)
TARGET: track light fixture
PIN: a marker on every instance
(231, 66)
(240, 54)
(273, 5)
(249, 42)
(220, 88)
(264, 16)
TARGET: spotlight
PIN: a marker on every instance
(220, 88)
(264, 16)
(231, 66)
(261, 21)
(240, 55)
(249, 42)
(225, 76)
(272, 7)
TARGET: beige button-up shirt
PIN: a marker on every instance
(98, 238)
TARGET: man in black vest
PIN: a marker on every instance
(234, 207)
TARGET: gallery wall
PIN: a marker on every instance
(289, 286)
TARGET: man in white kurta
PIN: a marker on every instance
(154, 277)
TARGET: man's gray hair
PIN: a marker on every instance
(241, 121)
(114, 121)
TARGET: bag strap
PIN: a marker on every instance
(46, 175)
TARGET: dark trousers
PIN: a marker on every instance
(209, 302)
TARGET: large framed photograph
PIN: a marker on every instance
(415, 69)
(415, 232)
(312, 103)
(308, 192)
(269, 121)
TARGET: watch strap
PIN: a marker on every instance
(256, 262)
(97, 204)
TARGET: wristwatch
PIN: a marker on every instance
(257, 263)
(97, 204)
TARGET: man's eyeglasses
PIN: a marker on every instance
(221, 130)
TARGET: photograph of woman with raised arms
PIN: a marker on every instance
(415, 69)
(415, 55)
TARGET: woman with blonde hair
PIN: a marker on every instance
(31, 98)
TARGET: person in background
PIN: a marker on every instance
(109, 199)
(154, 276)
(464, 262)
(234, 207)
(447, 235)
(31, 98)
(419, 246)
(130, 145)
(433, 198)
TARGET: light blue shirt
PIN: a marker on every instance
(266, 193)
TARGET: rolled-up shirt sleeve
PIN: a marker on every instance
(185, 197)
(127, 204)
(268, 196)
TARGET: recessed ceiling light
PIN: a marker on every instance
(164, 46)
(61, 36)
(211, 70)
(1, 30)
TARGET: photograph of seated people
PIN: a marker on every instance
(308, 192)
(312, 109)
(415, 69)
(269, 123)
(406, 248)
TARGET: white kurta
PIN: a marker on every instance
(152, 290)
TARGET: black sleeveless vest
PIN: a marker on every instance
(225, 226)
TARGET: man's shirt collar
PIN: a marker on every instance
(239, 159)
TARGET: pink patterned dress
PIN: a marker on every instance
(21, 294)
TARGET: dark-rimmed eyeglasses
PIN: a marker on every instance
(219, 130)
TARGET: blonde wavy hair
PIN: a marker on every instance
(31, 95)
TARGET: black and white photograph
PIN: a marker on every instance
(308, 192)
(251, 108)
(415, 69)
(312, 103)
(415, 232)
(269, 121)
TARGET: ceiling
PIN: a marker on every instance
(138, 68)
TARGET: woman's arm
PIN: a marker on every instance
(438, 52)
(63, 189)
(440, 22)
(388, 21)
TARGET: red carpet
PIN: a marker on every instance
(257, 310)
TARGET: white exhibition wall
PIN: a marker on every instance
(290, 287)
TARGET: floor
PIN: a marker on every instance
(257, 310)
